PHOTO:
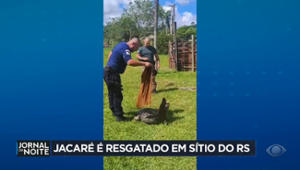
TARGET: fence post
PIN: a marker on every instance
(193, 54)
(170, 54)
(176, 45)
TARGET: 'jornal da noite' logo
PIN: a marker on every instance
(33, 148)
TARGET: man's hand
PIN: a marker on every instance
(148, 64)
(157, 66)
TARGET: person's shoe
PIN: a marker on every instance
(122, 119)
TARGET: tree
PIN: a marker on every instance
(185, 33)
(163, 42)
(137, 20)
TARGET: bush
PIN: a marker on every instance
(163, 43)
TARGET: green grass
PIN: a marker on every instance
(181, 118)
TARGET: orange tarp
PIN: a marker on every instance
(144, 97)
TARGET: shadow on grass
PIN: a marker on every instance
(170, 116)
(166, 90)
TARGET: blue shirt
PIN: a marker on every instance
(120, 55)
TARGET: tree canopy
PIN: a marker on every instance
(137, 20)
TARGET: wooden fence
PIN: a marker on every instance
(184, 56)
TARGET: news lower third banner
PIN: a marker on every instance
(135, 148)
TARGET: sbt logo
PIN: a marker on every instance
(33, 148)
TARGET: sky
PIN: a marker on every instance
(185, 10)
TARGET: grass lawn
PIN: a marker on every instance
(181, 119)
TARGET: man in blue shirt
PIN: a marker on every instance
(119, 58)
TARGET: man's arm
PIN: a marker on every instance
(109, 54)
(157, 62)
(156, 58)
(133, 63)
(139, 57)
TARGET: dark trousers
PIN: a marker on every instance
(113, 81)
